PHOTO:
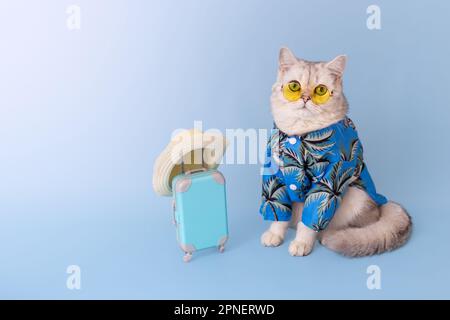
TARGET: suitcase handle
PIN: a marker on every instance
(203, 169)
(196, 170)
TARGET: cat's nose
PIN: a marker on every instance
(306, 98)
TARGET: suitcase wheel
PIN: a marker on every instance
(187, 257)
(221, 248)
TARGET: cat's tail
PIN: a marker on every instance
(391, 231)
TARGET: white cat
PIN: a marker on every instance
(308, 102)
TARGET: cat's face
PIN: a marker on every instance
(307, 96)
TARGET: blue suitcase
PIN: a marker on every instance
(200, 211)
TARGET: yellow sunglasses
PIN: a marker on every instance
(292, 91)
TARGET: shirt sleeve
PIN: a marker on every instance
(325, 195)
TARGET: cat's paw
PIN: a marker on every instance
(271, 239)
(300, 248)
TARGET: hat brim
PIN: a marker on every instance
(194, 149)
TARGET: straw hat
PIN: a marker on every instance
(195, 149)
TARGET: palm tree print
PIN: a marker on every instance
(317, 143)
(352, 153)
(276, 142)
(294, 164)
(321, 224)
(360, 166)
(315, 168)
(275, 197)
(330, 189)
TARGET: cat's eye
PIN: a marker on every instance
(320, 90)
(321, 94)
(292, 91)
(294, 86)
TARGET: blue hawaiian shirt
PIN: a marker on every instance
(315, 168)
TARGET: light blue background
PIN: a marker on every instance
(84, 114)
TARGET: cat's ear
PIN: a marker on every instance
(286, 59)
(337, 65)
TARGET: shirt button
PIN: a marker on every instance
(293, 187)
(292, 140)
